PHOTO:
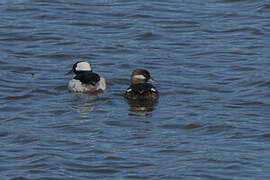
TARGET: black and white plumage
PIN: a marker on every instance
(139, 88)
(88, 77)
(85, 80)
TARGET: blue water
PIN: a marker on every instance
(211, 63)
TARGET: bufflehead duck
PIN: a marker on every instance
(139, 88)
(85, 80)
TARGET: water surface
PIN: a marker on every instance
(211, 63)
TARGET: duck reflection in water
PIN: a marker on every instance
(141, 95)
(142, 105)
(84, 103)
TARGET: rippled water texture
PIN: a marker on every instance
(211, 61)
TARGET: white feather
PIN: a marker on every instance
(83, 66)
(141, 77)
(101, 85)
(75, 85)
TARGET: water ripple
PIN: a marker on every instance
(211, 63)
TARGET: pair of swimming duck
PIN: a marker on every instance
(88, 81)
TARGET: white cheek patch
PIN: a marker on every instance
(153, 89)
(128, 90)
(141, 77)
(83, 66)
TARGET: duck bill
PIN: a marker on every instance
(70, 72)
(151, 80)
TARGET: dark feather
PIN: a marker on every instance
(142, 88)
(141, 91)
(87, 77)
